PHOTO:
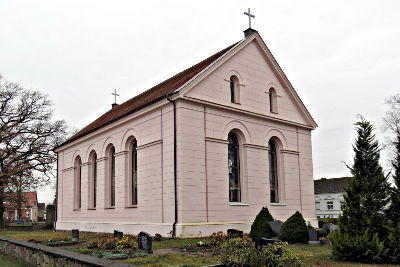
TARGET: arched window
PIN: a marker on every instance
(93, 184)
(78, 183)
(234, 168)
(273, 172)
(112, 176)
(134, 199)
(234, 87)
(273, 102)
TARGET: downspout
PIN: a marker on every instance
(175, 170)
(56, 204)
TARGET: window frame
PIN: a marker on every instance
(93, 181)
(234, 87)
(273, 100)
(234, 147)
(329, 205)
(111, 178)
(133, 201)
(77, 183)
(273, 163)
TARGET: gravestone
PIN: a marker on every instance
(145, 241)
(327, 227)
(233, 233)
(262, 241)
(333, 227)
(75, 235)
(50, 216)
(313, 236)
(276, 227)
(118, 234)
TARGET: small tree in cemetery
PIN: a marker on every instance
(27, 135)
(294, 229)
(363, 222)
(260, 226)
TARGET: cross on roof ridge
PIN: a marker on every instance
(250, 16)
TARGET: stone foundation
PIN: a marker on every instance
(40, 255)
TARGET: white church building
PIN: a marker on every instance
(201, 152)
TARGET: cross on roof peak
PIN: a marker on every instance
(250, 16)
(115, 96)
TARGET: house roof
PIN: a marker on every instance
(332, 185)
(148, 97)
(29, 198)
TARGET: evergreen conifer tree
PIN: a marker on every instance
(366, 194)
(366, 197)
(260, 226)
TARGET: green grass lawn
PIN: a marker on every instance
(8, 261)
(320, 255)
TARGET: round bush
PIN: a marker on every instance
(294, 230)
(260, 226)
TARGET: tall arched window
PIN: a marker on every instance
(112, 176)
(273, 172)
(134, 199)
(78, 183)
(273, 102)
(234, 89)
(93, 186)
(234, 168)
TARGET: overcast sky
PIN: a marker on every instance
(342, 57)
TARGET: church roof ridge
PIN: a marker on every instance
(149, 96)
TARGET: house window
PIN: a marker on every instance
(112, 176)
(342, 203)
(78, 183)
(94, 179)
(317, 205)
(273, 172)
(134, 173)
(273, 101)
(329, 205)
(234, 89)
(234, 168)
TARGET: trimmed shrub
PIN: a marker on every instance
(294, 230)
(359, 248)
(260, 226)
(393, 243)
(241, 252)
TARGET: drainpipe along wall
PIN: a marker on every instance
(175, 170)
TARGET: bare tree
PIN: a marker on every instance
(391, 121)
(18, 185)
(27, 135)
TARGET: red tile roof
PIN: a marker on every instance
(148, 97)
(29, 199)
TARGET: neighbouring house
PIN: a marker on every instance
(29, 207)
(201, 152)
(41, 212)
(329, 197)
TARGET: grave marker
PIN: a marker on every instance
(75, 235)
(233, 233)
(145, 241)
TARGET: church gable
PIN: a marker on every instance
(250, 79)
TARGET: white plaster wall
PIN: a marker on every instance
(208, 144)
(153, 131)
(256, 77)
(323, 199)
